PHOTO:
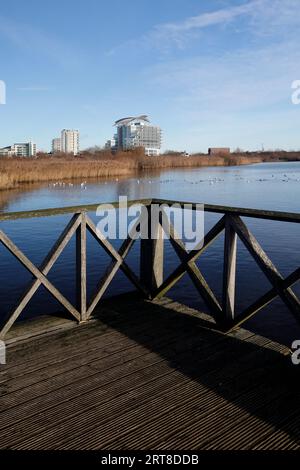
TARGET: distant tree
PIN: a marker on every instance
(172, 152)
(94, 149)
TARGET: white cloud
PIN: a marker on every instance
(255, 17)
(241, 95)
(177, 31)
(255, 75)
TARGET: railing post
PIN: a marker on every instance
(81, 268)
(152, 254)
(229, 274)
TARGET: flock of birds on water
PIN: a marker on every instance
(211, 181)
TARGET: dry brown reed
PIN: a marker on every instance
(15, 171)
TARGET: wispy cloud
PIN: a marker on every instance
(177, 32)
(165, 36)
(255, 17)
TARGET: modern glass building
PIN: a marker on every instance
(27, 149)
(138, 132)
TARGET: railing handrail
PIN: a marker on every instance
(67, 210)
(240, 211)
(150, 281)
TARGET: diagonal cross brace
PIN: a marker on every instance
(191, 257)
(41, 272)
(265, 299)
(116, 256)
(113, 268)
(269, 269)
(192, 269)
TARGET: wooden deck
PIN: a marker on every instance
(149, 375)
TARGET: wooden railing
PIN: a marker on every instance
(150, 281)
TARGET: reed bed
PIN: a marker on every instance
(16, 171)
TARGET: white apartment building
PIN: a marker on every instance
(138, 132)
(27, 149)
(70, 141)
(56, 145)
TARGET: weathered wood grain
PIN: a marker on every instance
(45, 267)
(81, 268)
(229, 276)
(150, 282)
(287, 295)
(157, 380)
(152, 255)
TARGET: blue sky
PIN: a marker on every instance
(209, 72)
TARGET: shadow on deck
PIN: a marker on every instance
(149, 375)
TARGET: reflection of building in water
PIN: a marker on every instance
(139, 188)
(135, 132)
(11, 198)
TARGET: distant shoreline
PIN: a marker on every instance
(15, 172)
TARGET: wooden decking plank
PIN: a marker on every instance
(142, 427)
(114, 347)
(193, 423)
(96, 379)
(68, 424)
(142, 391)
(184, 439)
(279, 439)
(63, 338)
(111, 428)
(122, 357)
(199, 430)
(43, 385)
(87, 344)
(66, 344)
(56, 412)
(252, 430)
(148, 375)
(112, 407)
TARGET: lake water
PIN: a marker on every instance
(263, 186)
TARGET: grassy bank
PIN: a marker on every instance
(102, 164)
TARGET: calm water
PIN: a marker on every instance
(263, 186)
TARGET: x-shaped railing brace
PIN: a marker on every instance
(41, 273)
(281, 286)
